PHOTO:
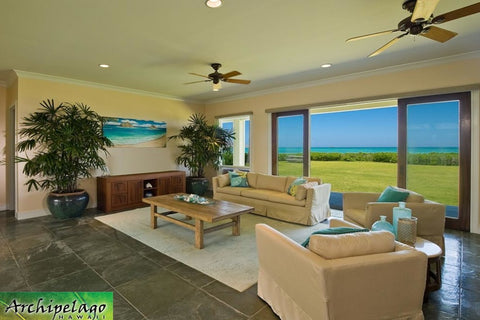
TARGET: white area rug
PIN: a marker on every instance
(229, 259)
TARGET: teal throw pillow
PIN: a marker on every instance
(292, 189)
(336, 230)
(391, 194)
(238, 180)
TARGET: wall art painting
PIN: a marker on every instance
(134, 133)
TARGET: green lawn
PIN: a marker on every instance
(437, 183)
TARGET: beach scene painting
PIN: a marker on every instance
(134, 133)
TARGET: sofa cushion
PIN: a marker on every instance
(335, 230)
(302, 189)
(260, 194)
(352, 244)
(223, 180)
(391, 194)
(276, 183)
(231, 190)
(252, 179)
(358, 215)
(283, 198)
(292, 188)
(413, 196)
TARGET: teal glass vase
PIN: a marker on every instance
(382, 225)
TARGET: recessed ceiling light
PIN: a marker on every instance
(213, 3)
(104, 65)
(326, 65)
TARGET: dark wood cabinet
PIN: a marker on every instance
(124, 192)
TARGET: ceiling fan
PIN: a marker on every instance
(216, 77)
(420, 22)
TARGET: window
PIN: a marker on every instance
(239, 154)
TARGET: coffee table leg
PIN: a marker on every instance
(153, 218)
(236, 226)
(198, 234)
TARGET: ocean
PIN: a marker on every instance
(126, 136)
(292, 150)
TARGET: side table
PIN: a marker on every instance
(434, 270)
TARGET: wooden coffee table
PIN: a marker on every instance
(217, 211)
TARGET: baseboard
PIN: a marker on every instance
(3, 208)
(31, 214)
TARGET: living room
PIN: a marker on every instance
(24, 89)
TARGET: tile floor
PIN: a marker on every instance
(44, 254)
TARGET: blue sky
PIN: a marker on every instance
(229, 126)
(430, 125)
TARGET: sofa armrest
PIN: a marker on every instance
(358, 200)
(215, 184)
(295, 270)
(317, 201)
(336, 222)
(378, 286)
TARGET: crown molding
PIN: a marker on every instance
(40, 76)
(353, 76)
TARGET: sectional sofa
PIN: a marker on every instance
(269, 196)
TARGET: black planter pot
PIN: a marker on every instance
(197, 185)
(67, 205)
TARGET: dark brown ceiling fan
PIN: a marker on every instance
(216, 77)
(420, 22)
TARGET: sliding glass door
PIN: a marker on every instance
(434, 152)
(290, 154)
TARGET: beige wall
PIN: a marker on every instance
(411, 81)
(3, 128)
(107, 102)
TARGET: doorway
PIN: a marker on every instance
(442, 124)
(290, 143)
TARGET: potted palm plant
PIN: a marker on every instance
(202, 145)
(64, 142)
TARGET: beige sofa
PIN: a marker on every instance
(300, 284)
(362, 209)
(268, 195)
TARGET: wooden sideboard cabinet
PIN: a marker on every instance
(124, 192)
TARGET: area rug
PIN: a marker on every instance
(229, 259)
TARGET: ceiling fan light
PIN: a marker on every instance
(213, 3)
(217, 86)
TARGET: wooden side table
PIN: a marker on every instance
(434, 270)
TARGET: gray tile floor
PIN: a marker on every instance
(44, 254)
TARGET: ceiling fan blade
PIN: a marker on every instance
(438, 34)
(423, 10)
(459, 13)
(240, 81)
(231, 74)
(197, 81)
(371, 35)
(197, 74)
(387, 45)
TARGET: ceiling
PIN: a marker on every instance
(152, 45)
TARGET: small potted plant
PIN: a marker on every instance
(202, 145)
(65, 141)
